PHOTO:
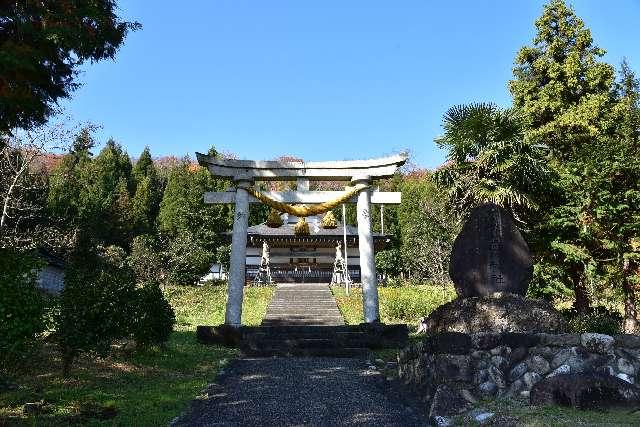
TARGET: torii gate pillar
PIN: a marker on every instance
(368, 275)
(238, 262)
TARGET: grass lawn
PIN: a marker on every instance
(146, 388)
(405, 304)
(556, 416)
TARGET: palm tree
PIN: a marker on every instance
(488, 159)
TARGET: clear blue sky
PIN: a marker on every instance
(320, 80)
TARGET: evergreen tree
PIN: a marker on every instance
(142, 205)
(65, 184)
(105, 197)
(148, 193)
(428, 227)
(43, 45)
(614, 189)
(563, 92)
(183, 210)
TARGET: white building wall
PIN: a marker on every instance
(51, 279)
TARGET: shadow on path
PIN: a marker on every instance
(299, 391)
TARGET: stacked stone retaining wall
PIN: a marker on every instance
(485, 365)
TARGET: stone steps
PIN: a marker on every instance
(304, 321)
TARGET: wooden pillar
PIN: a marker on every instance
(368, 276)
(238, 263)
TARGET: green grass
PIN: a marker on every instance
(557, 416)
(406, 304)
(145, 388)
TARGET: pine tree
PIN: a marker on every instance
(65, 183)
(148, 193)
(183, 210)
(563, 91)
(105, 182)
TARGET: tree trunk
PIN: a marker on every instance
(582, 304)
(630, 323)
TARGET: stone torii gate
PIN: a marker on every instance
(244, 173)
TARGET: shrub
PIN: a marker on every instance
(389, 262)
(187, 260)
(223, 256)
(598, 320)
(155, 318)
(97, 304)
(146, 259)
(22, 306)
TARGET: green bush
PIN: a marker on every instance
(188, 261)
(97, 304)
(389, 262)
(155, 318)
(147, 259)
(22, 306)
(598, 320)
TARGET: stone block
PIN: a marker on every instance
(495, 314)
(500, 363)
(560, 370)
(625, 366)
(488, 388)
(518, 371)
(485, 340)
(513, 339)
(451, 367)
(531, 378)
(497, 377)
(597, 343)
(517, 355)
(538, 364)
(627, 341)
(625, 377)
(559, 340)
(447, 342)
(586, 391)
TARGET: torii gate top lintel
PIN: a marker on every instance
(268, 170)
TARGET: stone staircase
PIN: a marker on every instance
(304, 320)
(305, 341)
(303, 305)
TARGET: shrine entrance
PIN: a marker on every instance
(245, 173)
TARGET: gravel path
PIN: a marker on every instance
(299, 392)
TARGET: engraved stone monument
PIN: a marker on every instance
(490, 255)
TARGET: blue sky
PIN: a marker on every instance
(319, 80)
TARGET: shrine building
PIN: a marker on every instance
(304, 258)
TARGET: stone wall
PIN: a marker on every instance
(485, 365)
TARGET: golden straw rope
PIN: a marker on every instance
(303, 210)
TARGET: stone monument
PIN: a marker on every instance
(491, 268)
(490, 255)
